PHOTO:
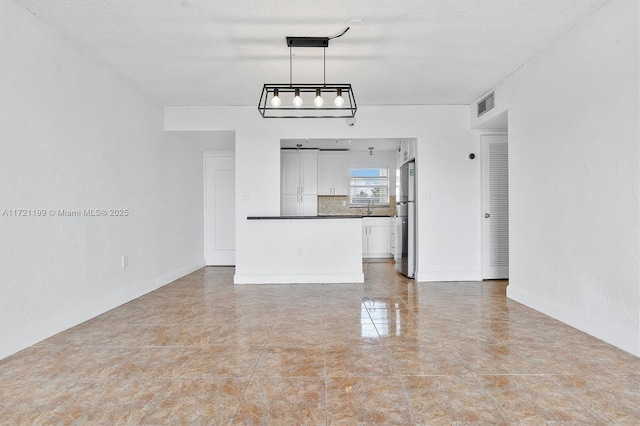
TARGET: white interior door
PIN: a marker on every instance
(219, 210)
(495, 207)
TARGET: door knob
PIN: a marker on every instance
(487, 215)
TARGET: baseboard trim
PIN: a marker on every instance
(307, 278)
(22, 339)
(430, 276)
(606, 332)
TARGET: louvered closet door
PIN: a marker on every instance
(495, 207)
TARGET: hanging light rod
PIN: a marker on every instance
(308, 100)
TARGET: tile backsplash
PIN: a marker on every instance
(331, 205)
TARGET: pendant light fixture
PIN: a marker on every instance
(339, 101)
(308, 100)
(275, 99)
(318, 101)
(297, 100)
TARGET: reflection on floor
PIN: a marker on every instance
(389, 351)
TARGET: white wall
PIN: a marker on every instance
(574, 177)
(448, 187)
(73, 135)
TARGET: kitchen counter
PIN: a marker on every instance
(288, 250)
(314, 217)
(302, 217)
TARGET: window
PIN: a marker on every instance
(369, 185)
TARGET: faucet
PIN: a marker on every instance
(370, 207)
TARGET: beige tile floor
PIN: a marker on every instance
(203, 351)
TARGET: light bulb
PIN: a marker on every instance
(297, 100)
(275, 100)
(339, 101)
(318, 101)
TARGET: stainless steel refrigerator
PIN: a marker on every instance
(406, 212)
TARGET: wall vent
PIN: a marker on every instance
(486, 104)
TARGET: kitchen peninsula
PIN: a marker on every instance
(305, 249)
(336, 201)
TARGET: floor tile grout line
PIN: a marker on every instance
(503, 410)
(324, 352)
(580, 401)
(249, 382)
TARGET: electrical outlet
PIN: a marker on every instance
(344, 203)
(299, 251)
(125, 261)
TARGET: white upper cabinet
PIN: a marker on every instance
(407, 150)
(290, 173)
(309, 172)
(299, 172)
(333, 173)
(299, 182)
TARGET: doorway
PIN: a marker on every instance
(219, 209)
(495, 206)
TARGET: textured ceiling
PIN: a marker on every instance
(220, 52)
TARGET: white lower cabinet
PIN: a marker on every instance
(375, 237)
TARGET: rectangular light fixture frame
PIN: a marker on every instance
(308, 109)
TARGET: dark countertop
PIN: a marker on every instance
(313, 217)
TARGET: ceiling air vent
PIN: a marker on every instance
(486, 104)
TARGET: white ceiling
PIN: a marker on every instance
(221, 52)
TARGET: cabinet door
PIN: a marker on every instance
(341, 174)
(325, 174)
(333, 173)
(309, 172)
(392, 236)
(378, 240)
(365, 241)
(290, 205)
(408, 149)
(290, 173)
(308, 205)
